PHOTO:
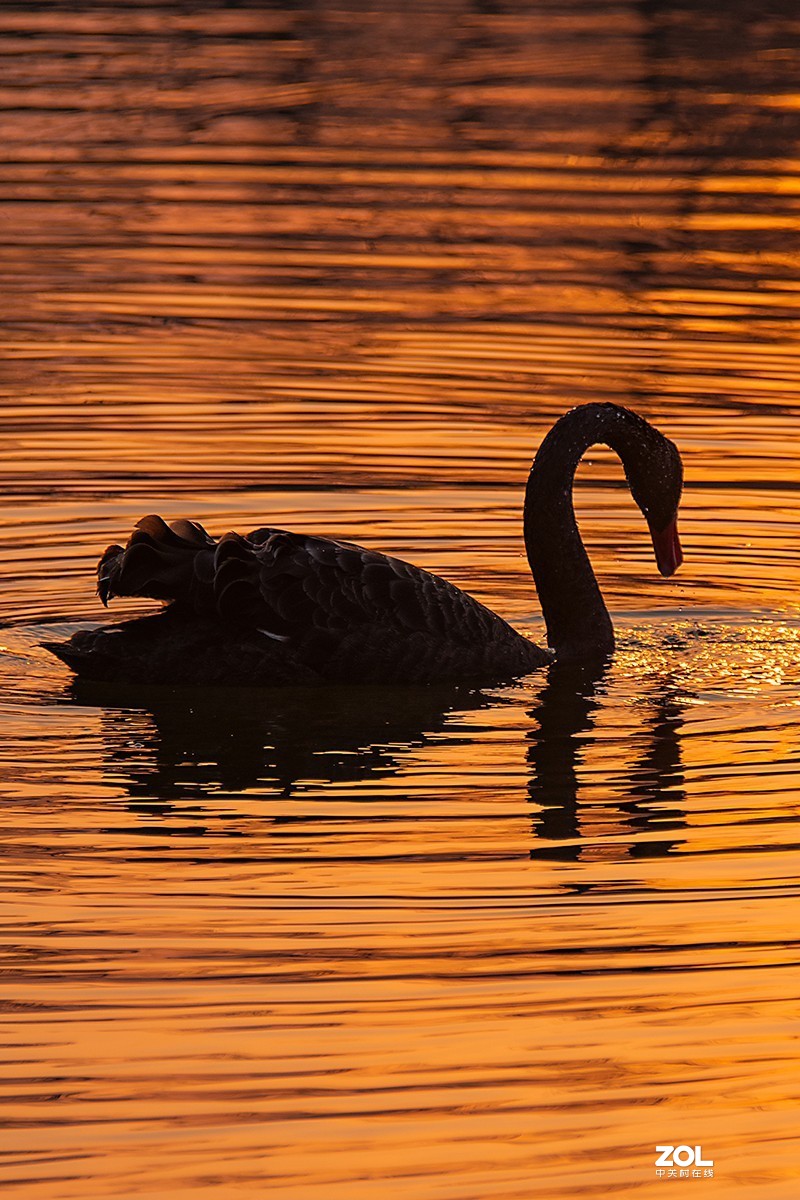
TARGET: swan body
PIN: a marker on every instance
(274, 607)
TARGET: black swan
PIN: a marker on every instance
(286, 608)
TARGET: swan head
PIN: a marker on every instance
(655, 475)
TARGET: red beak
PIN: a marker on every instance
(667, 546)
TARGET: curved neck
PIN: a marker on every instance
(578, 624)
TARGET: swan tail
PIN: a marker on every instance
(160, 561)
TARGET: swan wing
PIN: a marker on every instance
(290, 586)
(293, 585)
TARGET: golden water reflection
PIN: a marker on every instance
(299, 910)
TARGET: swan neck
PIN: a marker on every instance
(578, 624)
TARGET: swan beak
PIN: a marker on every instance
(667, 546)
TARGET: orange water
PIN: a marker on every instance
(338, 269)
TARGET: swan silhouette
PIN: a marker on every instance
(274, 607)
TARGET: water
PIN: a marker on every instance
(339, 268)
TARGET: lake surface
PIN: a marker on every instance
(338, 268)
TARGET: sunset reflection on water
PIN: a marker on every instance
(339, 269)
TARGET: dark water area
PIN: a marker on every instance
(338, 269)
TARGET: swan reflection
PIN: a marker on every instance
(171, 748)
(647, 799)
(168, 744)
